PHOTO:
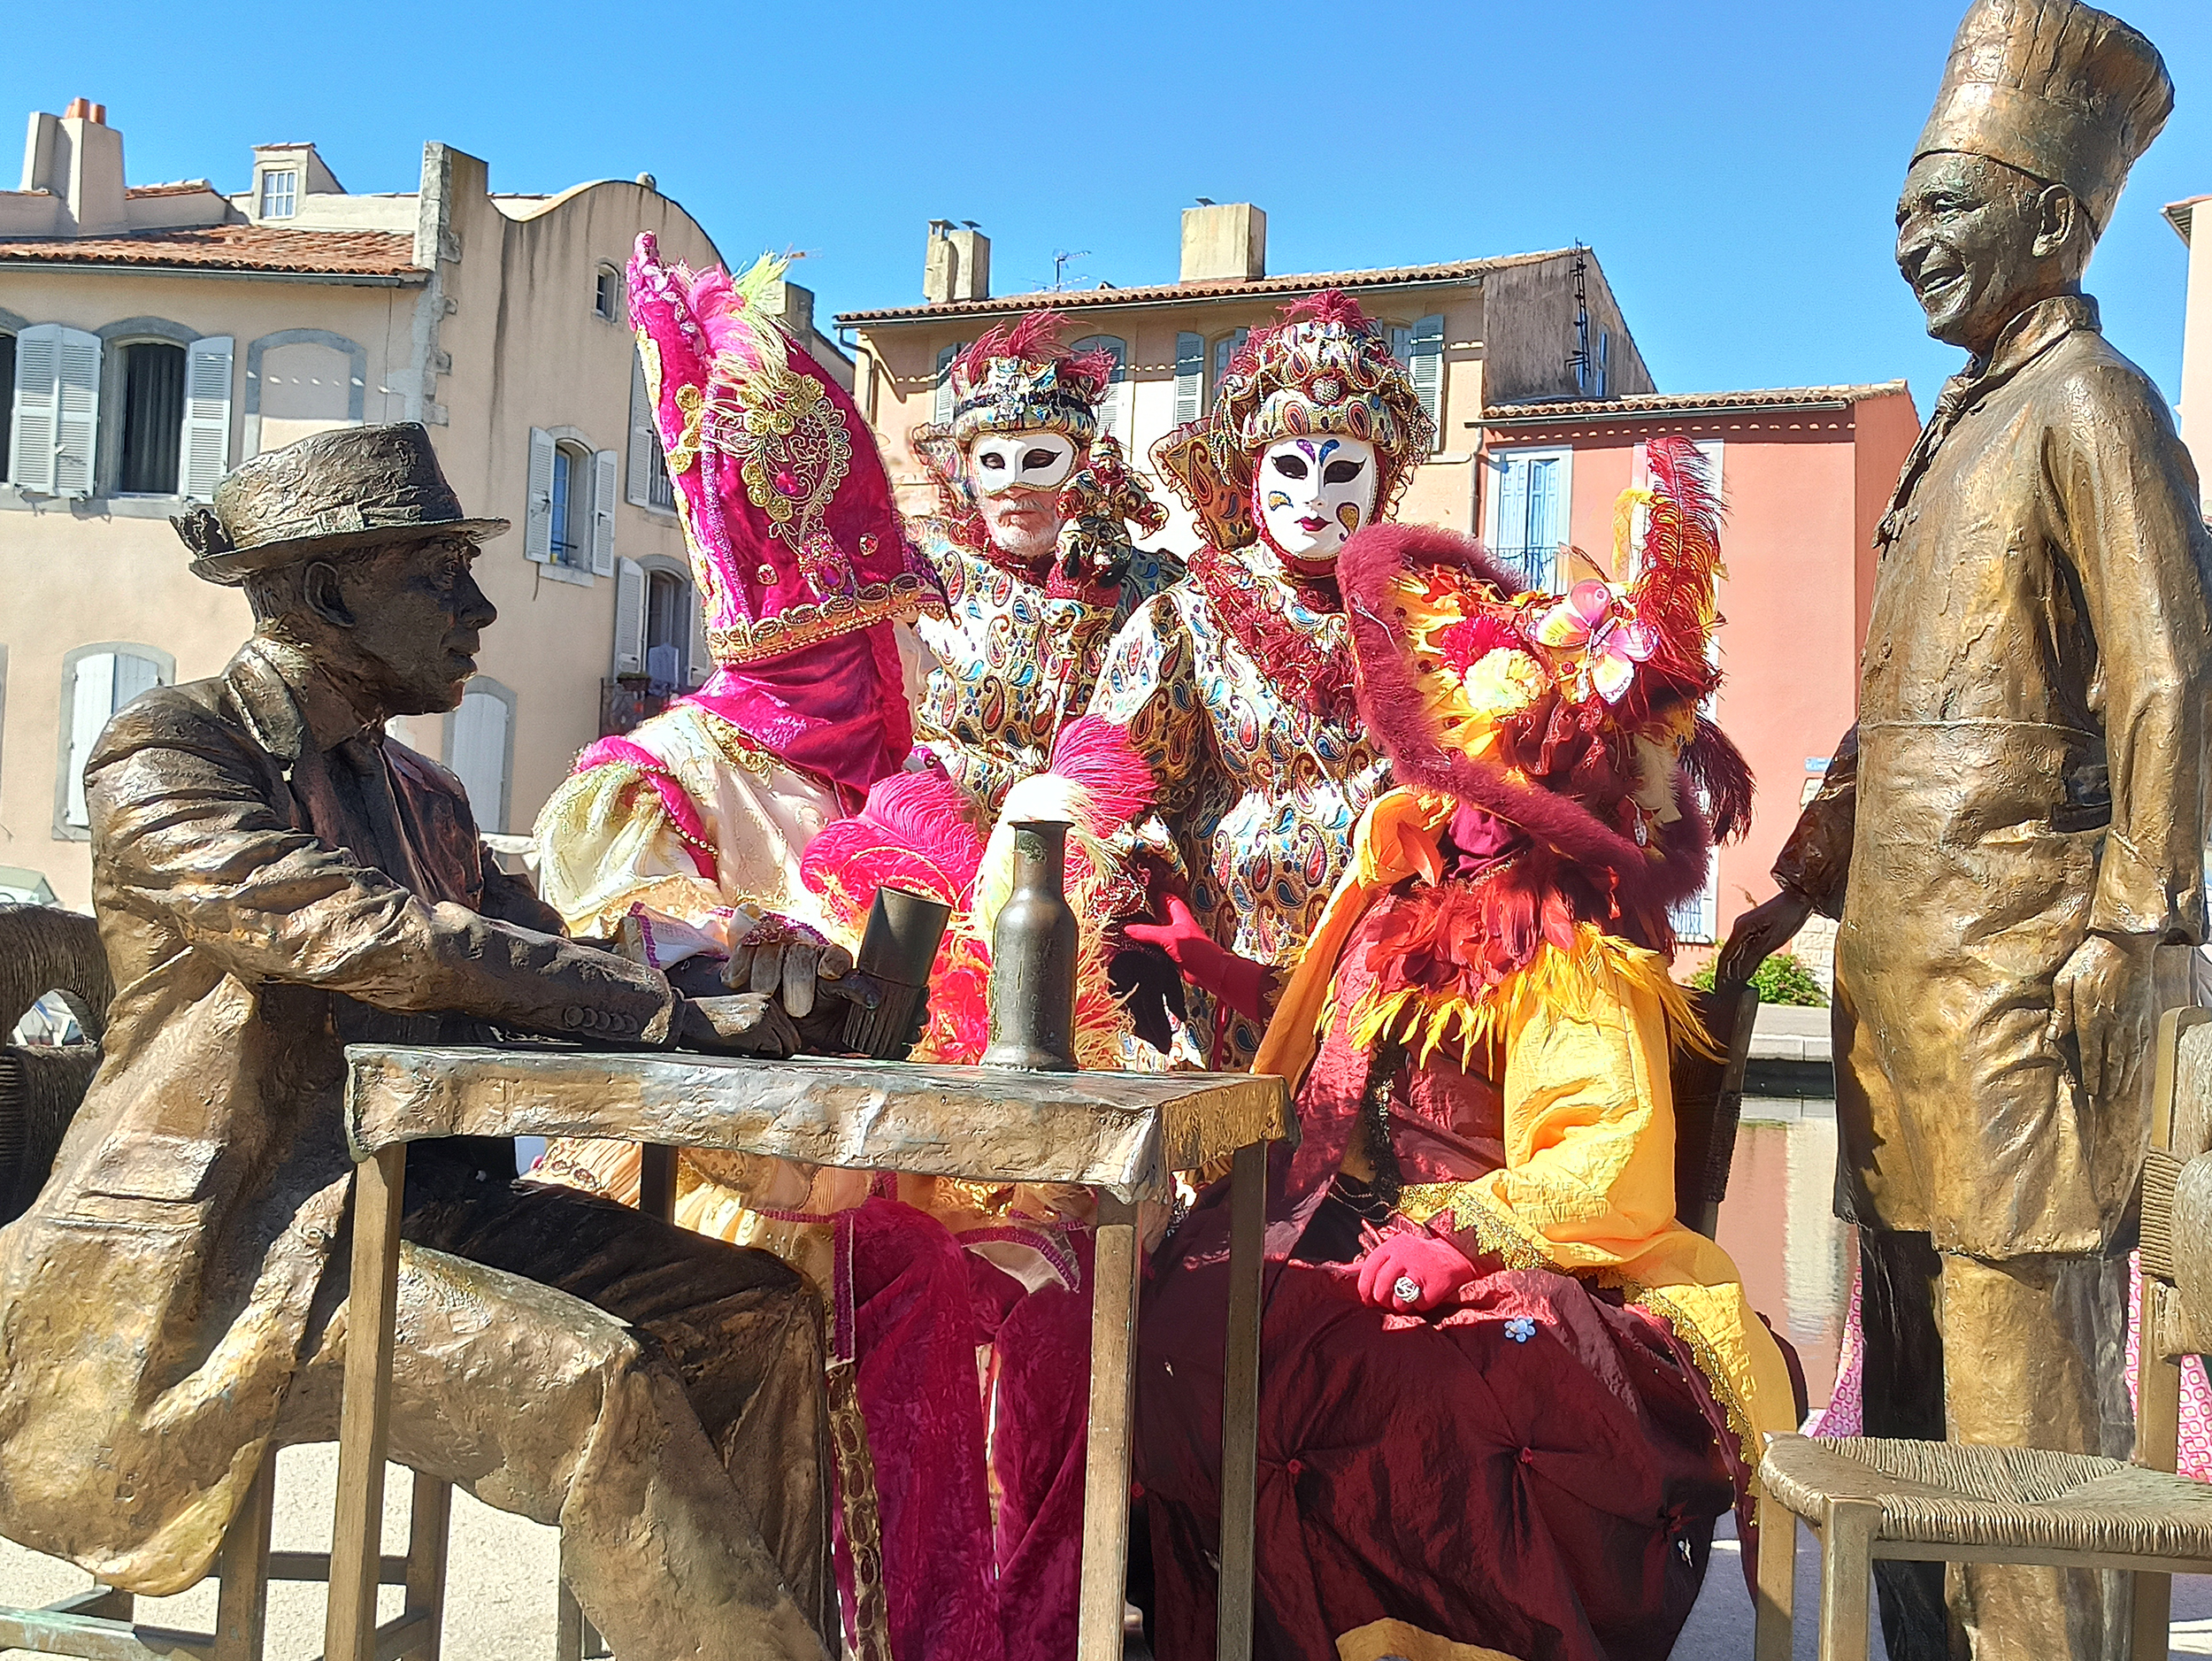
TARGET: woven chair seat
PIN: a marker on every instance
(1956, 1493)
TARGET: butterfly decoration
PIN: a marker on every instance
(1594, 621)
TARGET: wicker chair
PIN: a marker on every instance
(45, 949)
(1868, 1498)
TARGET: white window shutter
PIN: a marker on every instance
(133, 674)
(941, 400)
(1546, 520)
(702, 663)
(76, 414)
(1190, 377)
(629, 618)
(639, 485)
(480, 756)
(206, 447)
(92, 700)
(1426, 364)
(37, 403)
(537, 524)
(605, 481)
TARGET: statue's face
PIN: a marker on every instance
(1976, 240)
(1017, 478)
(1311, 494)
(417, 615)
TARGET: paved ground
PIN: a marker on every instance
(499, 1602)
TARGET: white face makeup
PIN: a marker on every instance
(1313, 493)
(1000, 462)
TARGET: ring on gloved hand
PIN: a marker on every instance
(1406, 1289)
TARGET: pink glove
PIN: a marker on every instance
(1240, 983)
(1436, 1266)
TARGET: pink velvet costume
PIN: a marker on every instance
(684, 838)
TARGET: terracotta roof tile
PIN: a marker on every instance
(233, 248)
(1684, 402)
(176, 188)
(1297, 283)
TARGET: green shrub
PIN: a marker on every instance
(1781, 979)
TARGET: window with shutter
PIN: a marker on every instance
(99, 683)
(629, 618)
(206, 416)
(1113, 410)
(1696, 918)
(699, 657)
(605, 467)
(537, 525)
(7, 404)
(1529, 512)
(37, 374)
(478, 755)
(645, 458)
(941, 400)
(1425, 362)
(153, 418)
(1225, 349)
(1190, 378)
(76, 403)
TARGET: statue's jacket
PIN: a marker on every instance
(156, 1299)
(2028, 766)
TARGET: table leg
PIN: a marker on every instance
(656, 1180)
(357, 1534)
(1240, 1403)
(1114, 1282)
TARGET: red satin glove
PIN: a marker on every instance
(1435, 1265)
(1240, 983)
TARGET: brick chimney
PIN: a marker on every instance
(957, 264)
(1224, 242)
(78, 157)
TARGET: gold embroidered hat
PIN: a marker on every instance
(2056, 89)
(784, 501)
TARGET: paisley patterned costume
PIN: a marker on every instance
(1259, 795)
(1236, 683)
(1015, 663)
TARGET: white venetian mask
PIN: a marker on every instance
(1313, 493)
(999, 462)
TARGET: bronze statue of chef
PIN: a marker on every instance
(2017, 820)
(275, 878)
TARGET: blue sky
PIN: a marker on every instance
(1734, 163)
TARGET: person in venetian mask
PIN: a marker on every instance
(1034, 546)
(1504, 1394)
(1235, 684)
(738, 836)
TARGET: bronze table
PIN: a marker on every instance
(1119, 1133)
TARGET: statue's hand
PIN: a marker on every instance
(787, 958)
(1759, 933)
(2102, 997)
(750, 1023)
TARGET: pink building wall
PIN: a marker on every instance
(1804, 488)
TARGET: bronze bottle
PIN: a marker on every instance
(1032, 958)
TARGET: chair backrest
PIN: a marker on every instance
(1709, 1102)
(45, 949)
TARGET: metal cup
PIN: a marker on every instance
(897, 949)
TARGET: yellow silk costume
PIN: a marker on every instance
(1587, 1186)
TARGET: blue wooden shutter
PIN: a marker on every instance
(1190, 377)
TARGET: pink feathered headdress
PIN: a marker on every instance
(801, 559)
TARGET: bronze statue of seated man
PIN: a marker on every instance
(275, 879)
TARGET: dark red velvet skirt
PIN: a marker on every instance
(1535, 1472)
